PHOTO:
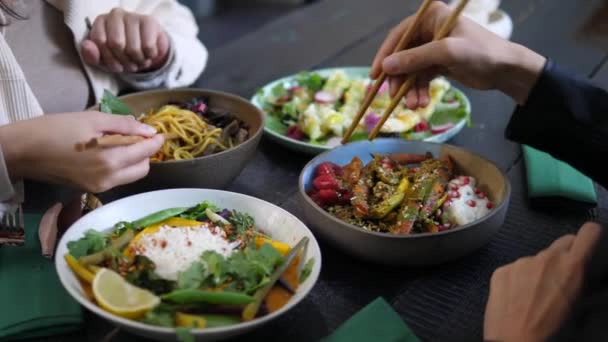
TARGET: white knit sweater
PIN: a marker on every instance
(189, 57)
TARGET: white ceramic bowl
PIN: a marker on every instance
(277, 222)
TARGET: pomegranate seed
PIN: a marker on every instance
(454, 187)
(489, 205)
(481, 195)
(465, 180)
(471, 203)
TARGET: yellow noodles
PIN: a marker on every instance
(195, 136)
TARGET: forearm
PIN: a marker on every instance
(567, 117)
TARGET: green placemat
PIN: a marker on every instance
(549, 177)
(34, 303)
(376, 322)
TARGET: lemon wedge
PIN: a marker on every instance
(115, 295)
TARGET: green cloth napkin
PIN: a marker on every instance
(549, 177)
(376, 322)
(34, 303)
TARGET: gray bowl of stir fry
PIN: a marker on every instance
(404, 202)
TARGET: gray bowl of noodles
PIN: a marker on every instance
(213, 136)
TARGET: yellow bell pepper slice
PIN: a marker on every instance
(282, 247)
(81, 271)
(189, 321)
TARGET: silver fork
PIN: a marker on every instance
(12, 232)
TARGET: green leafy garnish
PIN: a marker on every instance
(161, 315)
(312, 81)
(112, 105)
(442, 117)
(278, 91)
(307, 270)
(274, 124)
(417, 135)
(290, 109)
(121, 227)
(243, 224)
(92, 242)
(359, 136)
(184, 334)
(141, 273)
(245, 270)
(192, 277)
(259, 92)
(198, 211)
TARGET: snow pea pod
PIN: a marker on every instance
(157, 217)
(116, 245)
(186, 296)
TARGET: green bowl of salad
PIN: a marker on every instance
(310, 111)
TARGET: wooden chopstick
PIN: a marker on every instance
(444, 30)
(114, 140)
(405, 40)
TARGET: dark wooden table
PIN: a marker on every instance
(440, 303)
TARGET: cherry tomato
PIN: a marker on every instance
(328, 196)
(323, 182)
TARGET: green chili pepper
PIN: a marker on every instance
(186, 296)
(252, 308)
(116, 245)
(157, 217)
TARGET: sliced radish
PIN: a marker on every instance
(383, 88)
(325, 97)
(441, 128)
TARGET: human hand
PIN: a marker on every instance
(531, 297)
(471, 55)
(43, 149)
(122, 41)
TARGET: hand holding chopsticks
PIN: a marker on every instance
(445, 29)
(114, 140)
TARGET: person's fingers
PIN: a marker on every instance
(149, 32)
(388, 46)
(497, 302)
(423, 82)
(563, 244)
(411, 98)
(125, 124)
(394, 83)
(117, 40)
(133, 48)
(437, 53)
(99, 36)
(90, 52)
(125, 156)
(127, 175)
(585, 241)
(163, 46)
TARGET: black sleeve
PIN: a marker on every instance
(567, 117)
